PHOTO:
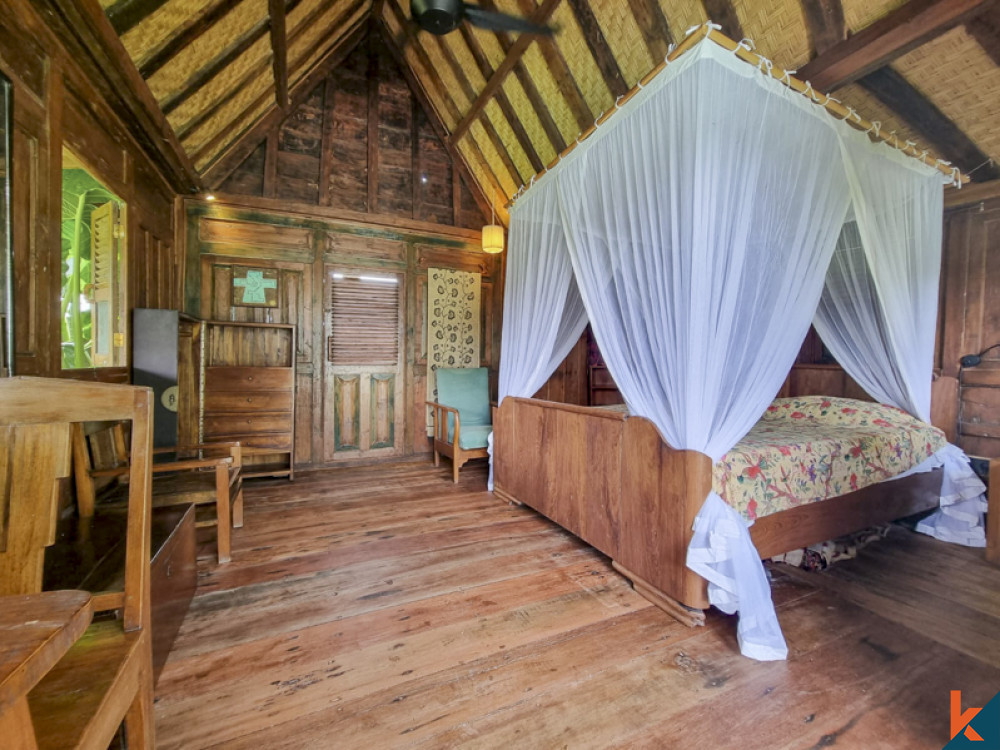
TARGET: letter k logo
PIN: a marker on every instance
(961, 720)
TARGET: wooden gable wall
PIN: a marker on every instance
(61, 97)
(353, 180)
(360, 142)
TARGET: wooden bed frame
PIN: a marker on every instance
(614, 482)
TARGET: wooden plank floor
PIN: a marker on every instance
(382, 608)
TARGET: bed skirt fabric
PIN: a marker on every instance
(963, 500)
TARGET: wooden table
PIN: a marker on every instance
(35, 633)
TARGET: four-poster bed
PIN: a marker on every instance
(722, 209)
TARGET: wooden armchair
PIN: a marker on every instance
(462, 420)
(105, 677)
(208, 474)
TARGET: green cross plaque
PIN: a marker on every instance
(255, 287)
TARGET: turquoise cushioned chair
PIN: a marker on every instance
(462, 420)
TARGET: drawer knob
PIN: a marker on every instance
(249, 421)
(249, 377)
(249, 399)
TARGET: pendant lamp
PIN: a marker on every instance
(493, 234)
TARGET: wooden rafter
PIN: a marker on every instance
(125, 15)
(470, 93)
(524, 78)
(723, 13)
(185, 34)
(890, 88)
(279, 49)
(241, 147)
(885, 40)
(599, 47)
(202, 76)
(653, 26)
(827, 28)
(824, 23)
(420, 91)
(564, 78)
(541, 16)
(372, 80)
(504, 103)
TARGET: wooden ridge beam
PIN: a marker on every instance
(890, 88)
(420, 91)
(279, 49)
(233, 155)
(599, 47)
(186, 34)
(723, 13)
(125, 15)
(885, 40)
(470, 93)
(564, 78)
(971, 194)
(502, 100)
(88, 36)
(541, 17)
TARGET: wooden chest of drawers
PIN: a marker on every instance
(248, 393)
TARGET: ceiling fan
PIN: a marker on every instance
(443, 16)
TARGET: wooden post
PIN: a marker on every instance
(993, 514)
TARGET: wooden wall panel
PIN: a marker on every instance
(342, 413)
(57, 103)
(360, 142)
(970, 321)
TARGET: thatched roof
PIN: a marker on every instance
(928, 69)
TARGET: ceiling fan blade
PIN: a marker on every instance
(493, 21)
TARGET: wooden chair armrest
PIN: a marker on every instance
(192, 463)
(441, 422)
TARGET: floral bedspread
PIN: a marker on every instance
(810, 448)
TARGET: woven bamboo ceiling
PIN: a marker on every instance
(221, 70)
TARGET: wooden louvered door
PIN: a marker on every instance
(364, 325)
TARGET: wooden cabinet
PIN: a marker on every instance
(603, 389)
(248, 393)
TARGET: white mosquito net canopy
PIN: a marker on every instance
(701, 231)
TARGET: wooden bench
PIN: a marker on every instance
(202, 475)
(105, 677)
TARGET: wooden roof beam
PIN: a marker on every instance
(202, 76)
(504, 103)
(885, 40)
(125, 15)
(890, 88)
(233, 155)
(723, 13)
(279, 49)
(653, 26)
(599, 47)
(564, 78)
(827, 29)
(470, 93)
(528, 83)
(187, 33)
(541, 17)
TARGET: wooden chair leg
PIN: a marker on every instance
(238, 511)
(456, 464)
(81, 473)
(222, 512)
(437, 458)
(139, 718)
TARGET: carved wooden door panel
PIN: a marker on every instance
(364, 407)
